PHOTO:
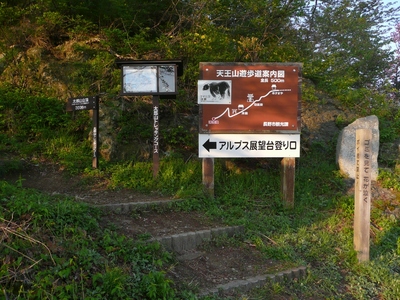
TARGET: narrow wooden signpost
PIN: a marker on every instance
(156, 136)
(362, 205)
(95, 132)
(89, 103)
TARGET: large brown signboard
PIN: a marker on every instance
(249, 97)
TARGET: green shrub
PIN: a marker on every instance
(54, 247)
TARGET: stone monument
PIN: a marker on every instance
(346, 146)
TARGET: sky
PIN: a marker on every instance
(394, 4)
(391, 28)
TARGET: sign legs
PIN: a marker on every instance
(288, 165)
(208, 175)
(287, 178)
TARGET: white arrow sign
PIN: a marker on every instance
(249, 145)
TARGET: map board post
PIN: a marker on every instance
(156, 78)
(251, 110)
(89, 103)
(156, 136)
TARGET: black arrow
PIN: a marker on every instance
(210, 145)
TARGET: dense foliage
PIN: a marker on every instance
(341, 43)
(59, 49)
(54, 248)
(51, 50)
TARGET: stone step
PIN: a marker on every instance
(182, 242)
(227, 270)
(128, 207)
(209, 270)
(245, 285)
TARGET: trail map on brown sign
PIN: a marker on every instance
(264, 97)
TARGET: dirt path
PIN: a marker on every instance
(197, 269)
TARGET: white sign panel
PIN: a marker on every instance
(249, 145)
(141, 79)
(214, 92)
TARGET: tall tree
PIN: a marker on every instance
(395, 67)
(347, 46)
(393, 71)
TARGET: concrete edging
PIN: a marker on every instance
(255, 282)
(190, 240)
(124, 208)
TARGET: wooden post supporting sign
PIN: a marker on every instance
(362, 205)
(208, 175)
(89, 103)
(95, 160)
(288, 165)
(156, 136)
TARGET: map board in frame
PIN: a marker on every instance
(265, 97)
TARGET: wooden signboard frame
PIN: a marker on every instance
(248, 98)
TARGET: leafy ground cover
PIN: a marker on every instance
(51, 50)
(56, 247)
(216, 262)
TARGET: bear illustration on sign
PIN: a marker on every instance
(218, 89)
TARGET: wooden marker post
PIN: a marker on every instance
(156, 136)
(362, 205)
(288, 165)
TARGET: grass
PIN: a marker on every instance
(56, 248)
(317, 232)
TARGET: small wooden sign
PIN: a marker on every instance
(362, 205)
(88, 103)
(81, 103)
